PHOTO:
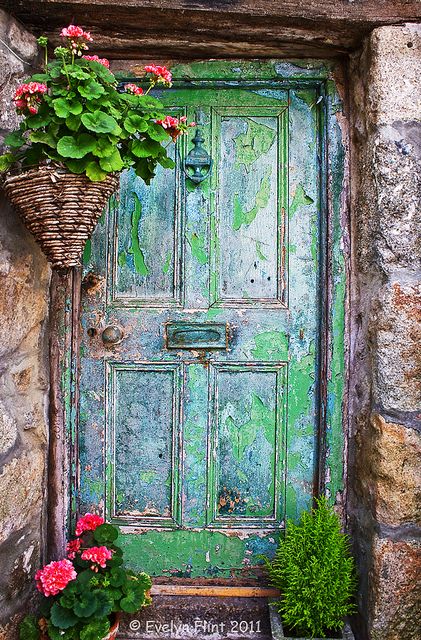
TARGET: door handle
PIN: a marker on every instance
(112, 335)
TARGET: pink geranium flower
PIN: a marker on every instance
(54, 577)
(72, 31)
(103, 61)
(159, 74)
(134, 89)
(175, 127)
(88, 522)
(98, 555)
(76, 37)
(29, 96)
(73, 547)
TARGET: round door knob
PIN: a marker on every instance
(112, 335)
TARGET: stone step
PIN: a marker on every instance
(199, 618)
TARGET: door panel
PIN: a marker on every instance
(198, 430)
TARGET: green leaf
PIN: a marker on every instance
(100, 71)
(144, 170)
(73, 122)
(156, 132)
(105, 533)
(43, 137)
(61, 617)
(118, 577)
(145, 148)
(166, 162)
(55, 633)
(76, 72)
(76, 147)
(6, 161)
(150, 102)
(86, 606)
(29, 629)
(39, 77)
(91, 90)
(94, 172)
(112, 162)
(64, 108)
(14, 139)
(135, 124)
(95, 629)
(38, 120)
(76, 166)
(103, 148)
(100, 122)
(105, 603)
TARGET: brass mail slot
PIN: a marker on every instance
(196, 335)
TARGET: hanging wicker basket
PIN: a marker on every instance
(60, 209)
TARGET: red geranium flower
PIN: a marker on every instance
(88, 522)
(98, 555)
(28, 96)
(102, 61)
(134, 89)
(54, 577)
(159, 74)
(175, 127)
(73, 547)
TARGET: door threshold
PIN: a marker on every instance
(213, 590)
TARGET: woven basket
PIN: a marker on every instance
(60, 209)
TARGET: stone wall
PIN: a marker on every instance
(24, 281)
(385, 392)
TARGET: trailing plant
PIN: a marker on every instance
(83, 590)
(75, 114)
(315, 573)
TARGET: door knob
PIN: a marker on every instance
(112, 335)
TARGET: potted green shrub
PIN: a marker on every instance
(315, 573)
(85, 592)
(79, 130)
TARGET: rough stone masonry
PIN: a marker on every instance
(385, 371)
(24, 281)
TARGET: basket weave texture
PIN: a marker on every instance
(60, 209)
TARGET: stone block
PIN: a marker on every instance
(395, 590)
(394, 475)
(21, 492)
(396, 169)
(394, 82)
(396, 329)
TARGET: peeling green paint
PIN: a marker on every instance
(271, 345)
(300, 199)
(197, 244)
(253, 144)
(259, 251)
(87, 252)
(262, 199)
(135, 250)
(167, 263)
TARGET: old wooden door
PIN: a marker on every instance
(198, 428)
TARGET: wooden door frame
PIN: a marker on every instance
(65, 306)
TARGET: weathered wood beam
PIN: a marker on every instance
(224, 28)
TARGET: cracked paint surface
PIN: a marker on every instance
(205, 453)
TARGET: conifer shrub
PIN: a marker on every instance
(315, 572)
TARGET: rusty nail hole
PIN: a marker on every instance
(92, 332)
(410, 45)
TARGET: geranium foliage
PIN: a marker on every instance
(74, 114)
